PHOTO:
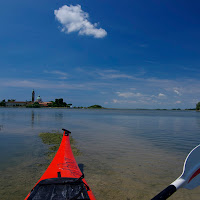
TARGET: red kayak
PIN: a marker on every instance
(63, 180)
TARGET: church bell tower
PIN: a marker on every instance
(33, 96)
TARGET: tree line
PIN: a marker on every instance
(198, 106)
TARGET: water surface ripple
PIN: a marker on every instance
(127, 154)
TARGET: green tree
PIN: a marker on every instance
(198, 106)
(59, 103)
(95, 106)
(11, 100)
(35, 105)
(68, 105)
(3, 103)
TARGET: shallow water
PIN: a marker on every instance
(127, 154)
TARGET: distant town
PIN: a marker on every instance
(38, 103)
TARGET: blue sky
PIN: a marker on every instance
(119, 54)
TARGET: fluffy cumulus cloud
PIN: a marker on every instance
(74, 19)
(161, 95)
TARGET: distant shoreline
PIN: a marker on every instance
(86, 108)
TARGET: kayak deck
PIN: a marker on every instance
(63, 179)
(59, 189)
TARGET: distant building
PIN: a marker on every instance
(33, 96)
(45, 104)
(42, 104)
(13, 103)
(16, 103)
(39, 99)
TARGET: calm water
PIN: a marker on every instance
(127, 154)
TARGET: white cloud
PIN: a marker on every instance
(119, 76)
(115, 101)
(56, 72)
(108, 74)
(128, 94)
(43, 84)
(139, 102)
(125, 91)
(123, 101)
(113, 74)
(74, 19)
(176, 91)
(161, 95)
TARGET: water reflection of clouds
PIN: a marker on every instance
(1, 127)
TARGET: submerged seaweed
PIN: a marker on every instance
(53, 139)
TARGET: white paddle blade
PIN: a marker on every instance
(190, 178)
(191, 169)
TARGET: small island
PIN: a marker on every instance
(95, 107)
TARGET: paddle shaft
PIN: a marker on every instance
(166, 193)
(191, 170)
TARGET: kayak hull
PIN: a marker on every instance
(64, 166)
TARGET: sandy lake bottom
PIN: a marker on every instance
(126, 154)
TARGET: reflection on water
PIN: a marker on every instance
(32, 117)
(127, 154)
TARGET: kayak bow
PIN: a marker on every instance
(63, 180)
